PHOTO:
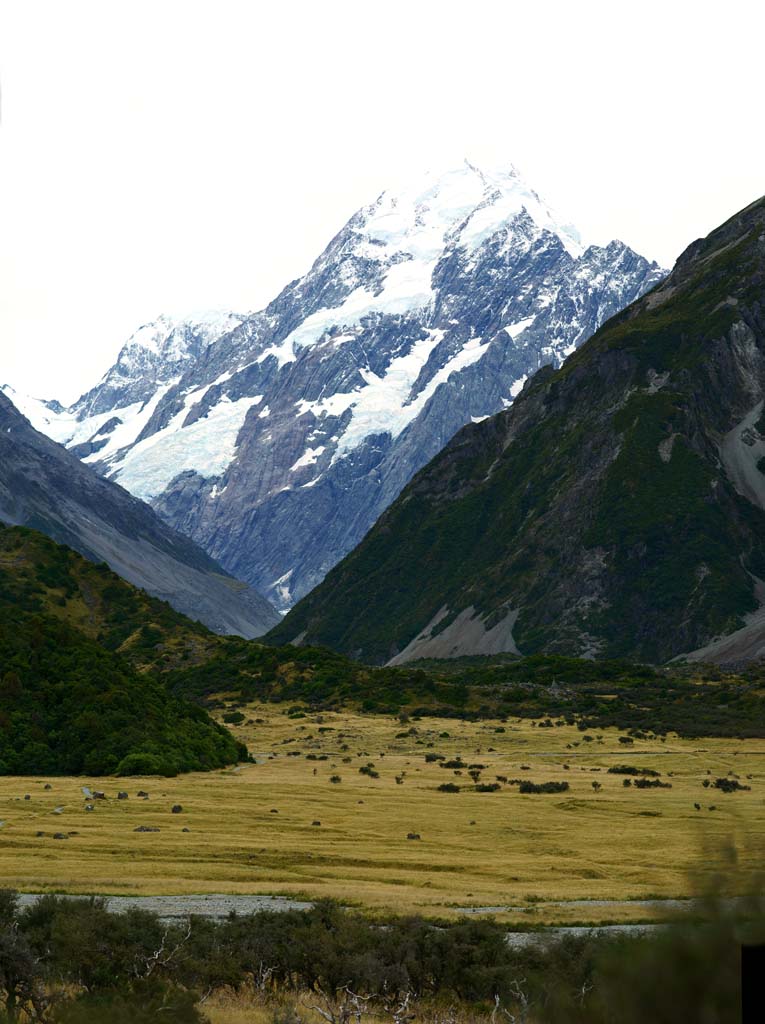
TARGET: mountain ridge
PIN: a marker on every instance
(46, 487)
(604, 513)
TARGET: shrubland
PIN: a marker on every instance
(73, 962)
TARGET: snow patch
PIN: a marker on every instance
(517, 387)
(207, 447)
(386, 406)
(516, 329)
(309, 456)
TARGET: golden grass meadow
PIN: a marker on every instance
(252, 830)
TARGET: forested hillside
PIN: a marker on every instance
(73, 698)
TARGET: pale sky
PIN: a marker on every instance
(169, 156)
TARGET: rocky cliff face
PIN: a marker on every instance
(616, 509)
(276, 440)
(46, 487)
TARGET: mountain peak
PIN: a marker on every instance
(277, 444)
(463, 200)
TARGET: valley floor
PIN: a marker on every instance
(281, 827)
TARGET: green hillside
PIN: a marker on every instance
(77, 693)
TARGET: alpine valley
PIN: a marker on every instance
(276, 439)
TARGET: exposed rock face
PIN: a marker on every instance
(277, 439)
(617, 508)
(46, 487)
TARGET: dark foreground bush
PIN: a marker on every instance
(144, 1002)
(72, 962)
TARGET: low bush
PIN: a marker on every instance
(729, 785)
(527, 786)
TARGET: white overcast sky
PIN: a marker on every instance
(172, 156)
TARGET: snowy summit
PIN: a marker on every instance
(275, 439)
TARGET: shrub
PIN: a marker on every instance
(448, 787)
(728, 785)
(542, 787)
(142, 1003)
(233, 718)
(628, 769)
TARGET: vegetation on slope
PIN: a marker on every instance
(40, 576)
(638, 698)
(70, 702)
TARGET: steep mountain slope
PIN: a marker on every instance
(72, 636)
(276, 440)
(616, 508)
(45, 487)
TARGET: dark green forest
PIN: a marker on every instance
(72, 702)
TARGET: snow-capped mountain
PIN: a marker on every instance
(276, 439)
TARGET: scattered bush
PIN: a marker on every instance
(233, 718)
(527, 786)
(729, 785)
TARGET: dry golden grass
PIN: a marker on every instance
(246, 1007)
(500, 849)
